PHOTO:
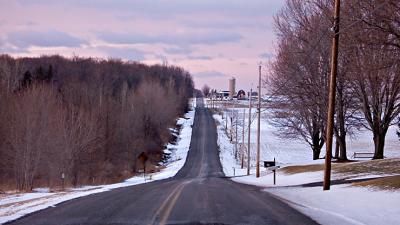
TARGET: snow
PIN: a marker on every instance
(297, 151)
(282, 180)
(343, 204)
(14, 206)
(226, 151)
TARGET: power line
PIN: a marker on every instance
(362, 17)
(314, 47)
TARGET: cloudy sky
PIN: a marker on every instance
(212, 39)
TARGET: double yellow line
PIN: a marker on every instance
(166, 207)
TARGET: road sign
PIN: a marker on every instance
(143, 157)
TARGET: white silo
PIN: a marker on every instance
(232, 84)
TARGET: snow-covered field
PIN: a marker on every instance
(13, 206)
(289, 151)
(343, 204)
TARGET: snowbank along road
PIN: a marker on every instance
(198, 194)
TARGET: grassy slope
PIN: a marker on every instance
(390, 168)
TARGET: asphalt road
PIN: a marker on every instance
(198, 194)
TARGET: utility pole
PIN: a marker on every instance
(214, 98)
(249, 131)
(226, 116)
(258, 123)
(332, 95)
(231, 129)
(236, 136)
(243, 148)
(211, 98)
(231, 119)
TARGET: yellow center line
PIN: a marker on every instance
(171, 205)
(168, 204)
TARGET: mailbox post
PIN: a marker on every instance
(274, 168)
(271, 165)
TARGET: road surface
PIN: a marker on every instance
(198, 194)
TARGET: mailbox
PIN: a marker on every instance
(269, 163)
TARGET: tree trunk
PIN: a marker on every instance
(379, 142)
(337, 145)
(316, 153)
(342, 147)
(341, 132)
(317, 146)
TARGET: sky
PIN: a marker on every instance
(214, 40)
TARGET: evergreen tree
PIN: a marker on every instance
(27, 79)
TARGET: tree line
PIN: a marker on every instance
(85, 118)
(368, 82)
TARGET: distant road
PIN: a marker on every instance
(198, 194)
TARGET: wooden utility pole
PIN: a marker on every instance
(231, 119)
(249, 131)
(212, 103)
(258, 123)
(332, 95)
(236, 136)
(226, 116)
(231, 129)
(243, 148)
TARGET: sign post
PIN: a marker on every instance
(63, 180)
(271, 165)
(143, 159)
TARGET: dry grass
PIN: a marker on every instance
(302, 169)
(353, 170)
(385, 183)
(376, 167)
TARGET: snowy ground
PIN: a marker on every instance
(13, 206)
(343, 204)
(288, 152)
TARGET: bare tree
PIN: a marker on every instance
(79, 132)
(299, 75)
(377, 87)
(5, 155)
(383, 17)
(9, 70)
(374, 52)
(206, 90)
(30, 129)
(87, 118)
